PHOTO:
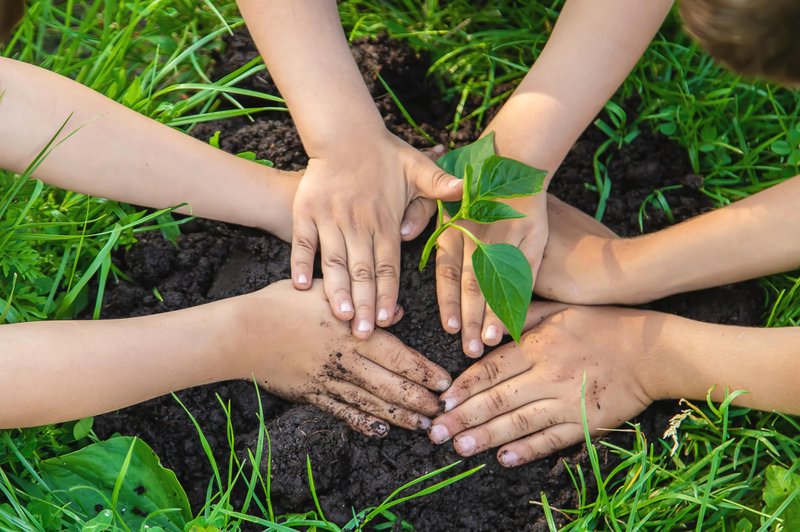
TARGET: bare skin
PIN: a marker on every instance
(289, 342)
(360, 180)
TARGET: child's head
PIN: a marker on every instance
(753, 37)
(10, 13)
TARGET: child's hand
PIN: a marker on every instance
(527, 397)
(299, 351)
(351, 203)
(586, 263)
(461, 303)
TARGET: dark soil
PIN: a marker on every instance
(214, 261)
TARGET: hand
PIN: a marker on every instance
(527, 397)
(352, 205)
(461, 303)
(306, 355)
(586, 263)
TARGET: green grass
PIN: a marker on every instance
(153, 56)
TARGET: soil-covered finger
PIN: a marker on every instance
(387, 351)
(357, 420)
(540, 444)
(367, 402)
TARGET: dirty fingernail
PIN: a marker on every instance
(491, 332)
(443, 385)
(439, 434)
(383, 314)
(302, 279)
(424, 423)
(465, 445)
(475, 347)
(509, 458)
(452, 323)
(345, 306)
(449, 404)
(364, 326)
(405, 228)
(380, 428)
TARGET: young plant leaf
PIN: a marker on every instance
(781, 492)
(487, 211)
(506, 281)
(502, 177)
(457, 161)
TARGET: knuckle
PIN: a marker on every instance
(471, 287)
(463, 419)
(520, 422)
(553, 442)
(435, 177)
(361, 272)
(304, 244)
(491, 370)
(386, 270)
(334, 261)
(449, 273)
(496, 400)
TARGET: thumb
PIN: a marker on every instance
(434, 183)
(416, 218)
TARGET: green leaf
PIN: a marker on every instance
(782, 492)
(214, 140)
(86, 479)
(100, 523)
(82, 428)
(456, 161)
(487, 211)
(781, 147)
(506, 178)
(506, 281)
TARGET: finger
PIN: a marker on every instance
(392, 354)
(435, 152)
(387, 275)
(472, 305)
(368, 403)
(540, 311)
(399, 312)
(334, 273)
(304, 248)
(361, 267)
(515, 424)
(386, 385)
(449, 260)
(493, 328)
(416, 218)
(434, 183)
(540, 444)
(357, 420)
(501, 364)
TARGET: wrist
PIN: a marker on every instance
(667, 340)
(350, 134)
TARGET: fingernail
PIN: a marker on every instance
(364, 326)
(405, 228)
(383, 314)
(345, 306)
(439, 434)
(424, 423)
(380, 428)
(438, 149)
(449, 404)
(302, 279)
(475, 347)
(491, 332)
(443, 385)
(452, 323)
(509, 458)
(453, 183)
(465, 445)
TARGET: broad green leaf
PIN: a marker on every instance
(487, 211)
(502, 177)
(86, 479)
(506, 281)
(456, 161)
(782, 484)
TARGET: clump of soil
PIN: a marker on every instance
(214, 261)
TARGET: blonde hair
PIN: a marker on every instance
(11, 12)
(753, 37)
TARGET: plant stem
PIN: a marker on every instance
(426, 252)
(466, 232)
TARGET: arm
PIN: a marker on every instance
(360, 178)
(527, 397)
(586, 263)
(120, 154)
(594, 45)
(61, 370)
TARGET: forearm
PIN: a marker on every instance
(751, 238)
(691, 357)
(305, 49)
(593, 47)
(122, 155)
(61, 370)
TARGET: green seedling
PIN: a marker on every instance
(503, 273)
